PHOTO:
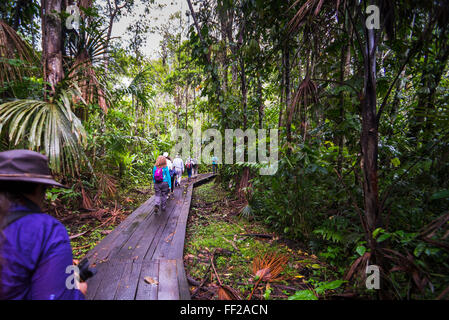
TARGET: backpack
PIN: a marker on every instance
(158, 175)
(189, 165)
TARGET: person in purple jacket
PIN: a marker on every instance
(36, 260)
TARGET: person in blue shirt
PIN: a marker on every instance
(162, 183)
(214, 164)
(35, 250)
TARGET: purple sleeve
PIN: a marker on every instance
(49, 278)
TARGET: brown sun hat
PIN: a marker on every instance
(26, 166)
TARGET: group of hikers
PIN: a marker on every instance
(35, 249)
(167, 175)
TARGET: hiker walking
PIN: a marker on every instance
(179, 168)
(189, 167)
(35, 248)
(171, 170)
(214, 164)
(195, 167)
(162, 183)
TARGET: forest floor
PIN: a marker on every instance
(221, 247)
(87, 227)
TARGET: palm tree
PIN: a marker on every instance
(51, 125)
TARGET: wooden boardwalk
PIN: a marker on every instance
(145, 245)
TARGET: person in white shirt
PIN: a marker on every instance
(178, 164)
(169, 163)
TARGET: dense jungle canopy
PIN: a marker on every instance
(362, 110)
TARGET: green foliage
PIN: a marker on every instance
(320, 290)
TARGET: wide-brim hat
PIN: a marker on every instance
(26, 166)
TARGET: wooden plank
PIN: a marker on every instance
(168, 280)
(112, 275)
(94, 282)
(153, 251)
(122, 276)
(127, 286)
(148, 243)
(177, 245)
(144, 235)
(112, 248)
(146, 291)
(103, 250)
(129, 247)
(141, 210)
(184, 292)
(164, 242)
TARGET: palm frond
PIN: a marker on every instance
(52, 127)
(87, 50)
(310, 8)
(305, 95)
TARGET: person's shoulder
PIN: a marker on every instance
(38, 230)
(41, 220)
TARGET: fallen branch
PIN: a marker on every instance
(81, 247)
(231, 243)
(192, 281)
(202, 282)
(257, 235)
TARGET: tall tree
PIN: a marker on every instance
(52, 45)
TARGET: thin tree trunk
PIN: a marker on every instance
(369, 145)
(345, 60)
(208, 59)
(244, 92)
(187, 104)
(286, 85)
(261, 103)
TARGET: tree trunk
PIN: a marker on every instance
(260, 100)
(344, 66)
(51, 46)
(244, 92)
(286, 85)
(369, 145)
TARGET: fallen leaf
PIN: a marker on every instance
(151, 281)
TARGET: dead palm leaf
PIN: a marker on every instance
(305, 95)
(268, 268)
(310, 8)
(13, 48)
(87, 49)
